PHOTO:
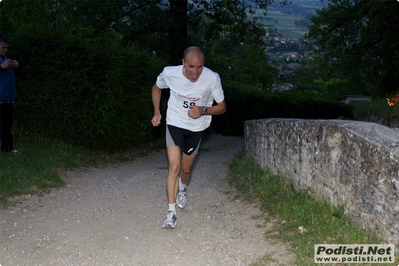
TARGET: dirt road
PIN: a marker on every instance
(113, 216)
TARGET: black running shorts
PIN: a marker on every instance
(187, 140)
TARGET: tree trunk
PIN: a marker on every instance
(177, 30)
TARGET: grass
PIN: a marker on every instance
(300, 219)
(36, 169)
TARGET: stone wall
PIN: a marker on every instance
(350, 163)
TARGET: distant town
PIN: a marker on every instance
(286, 26)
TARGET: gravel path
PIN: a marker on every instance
(113, 216)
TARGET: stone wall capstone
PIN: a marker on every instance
(349, 163)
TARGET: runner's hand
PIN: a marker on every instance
(195, 111)
(156, 120)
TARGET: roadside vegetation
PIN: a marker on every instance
(379, 111)
(37, 169)
(299, 218)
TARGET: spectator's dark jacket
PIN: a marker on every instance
(8, 88)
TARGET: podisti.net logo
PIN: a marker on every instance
(354, 253)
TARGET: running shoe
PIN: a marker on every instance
(181, 200)
(15, 152)
(170, 221)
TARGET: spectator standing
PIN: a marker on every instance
(9, 68)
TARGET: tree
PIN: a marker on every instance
(177, 30)
(142, 22)
(358, 41)
(233, 38)
(222, 27)
(227, 21)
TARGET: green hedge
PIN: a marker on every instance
(96, 94)
(247, 104)
(91, 93)
(378, 111)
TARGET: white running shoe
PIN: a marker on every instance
(181, 200)
(170, 221)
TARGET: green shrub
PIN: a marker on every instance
(248, 104)
(87, 92)
(377, 110)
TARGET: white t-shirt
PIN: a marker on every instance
(184, 93)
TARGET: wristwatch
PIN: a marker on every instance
(205, 111)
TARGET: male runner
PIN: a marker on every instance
(193, 90)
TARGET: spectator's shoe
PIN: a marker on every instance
(170, 221)
(15, 152)
(181, 200)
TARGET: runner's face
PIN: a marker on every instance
(193, 66)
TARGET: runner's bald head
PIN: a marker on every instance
(193, 50)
